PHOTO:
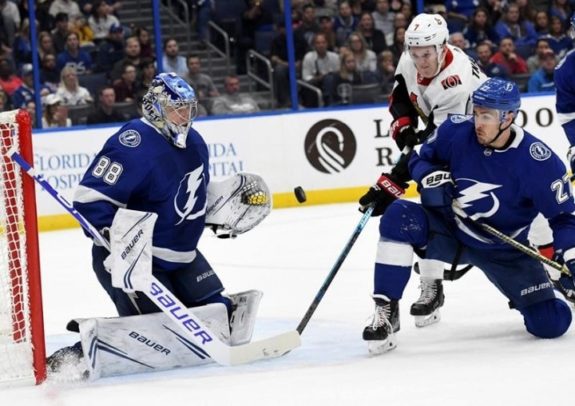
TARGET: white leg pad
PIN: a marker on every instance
(243, 318)
(145, 343)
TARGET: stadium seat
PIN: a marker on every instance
(521, 79)
(128, 109)
(79, 114)
(365, 94)
(93, 82)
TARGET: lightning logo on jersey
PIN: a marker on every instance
(187, 194)
(477, 197)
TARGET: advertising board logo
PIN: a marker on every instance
(330, 146)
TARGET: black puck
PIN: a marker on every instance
(299, 194)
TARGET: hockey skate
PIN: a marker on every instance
(426, 308)
(380, 332)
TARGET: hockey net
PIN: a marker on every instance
(22, 347)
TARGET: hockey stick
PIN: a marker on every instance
(569, 294)
(192, 327)
(342, 256)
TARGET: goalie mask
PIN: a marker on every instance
(171, 106)
(237, 204)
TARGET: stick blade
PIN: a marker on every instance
(272, 347)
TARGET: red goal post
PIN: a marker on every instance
(22, 345)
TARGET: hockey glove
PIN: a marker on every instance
(403, 132)
(571, 159)
(437, 193)
(382, 194)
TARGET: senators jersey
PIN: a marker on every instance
(139, 169)
(447, 93)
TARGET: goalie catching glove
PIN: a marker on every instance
(387, 189)
(237, 204)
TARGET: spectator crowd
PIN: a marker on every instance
(94, 68)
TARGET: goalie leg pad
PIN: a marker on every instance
(243, 318)
(146, 343)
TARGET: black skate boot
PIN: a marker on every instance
(379, 333)
(426, 308)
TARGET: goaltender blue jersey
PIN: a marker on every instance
(503, 188)
(139, 169)
(565, 89)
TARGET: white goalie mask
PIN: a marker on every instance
(428, 30)
(171, 106)
(237, 204)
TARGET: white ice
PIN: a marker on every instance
(479, 354)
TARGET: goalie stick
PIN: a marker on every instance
(191, 326)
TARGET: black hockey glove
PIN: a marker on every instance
(382, 194)
(437, 192)
(403, 132)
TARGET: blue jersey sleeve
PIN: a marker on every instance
(565, 102)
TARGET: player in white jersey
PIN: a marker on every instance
(433, 79)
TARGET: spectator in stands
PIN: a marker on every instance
(399, 21)
(203, 11)
(326, 28)
(111, 49)
(45, 44)
(542, 79)
(385, 73)
(480, 29)
(68, 7)
(256, 17)
(347, 77)
(31, 109)
(309, 24)
(49, 75)
(232, 101)
(105, 112)
(55, 114)
(374, 38)
(513, 63)
(172, 61)
(365, 59)
(125, 87)
(80, 26)
(43, 18)
(459, 13)
(458, 40)
(559, 41)
(25, 92)
(60, 32)
(148, 71)
(561, 9)
(143, 36)
(9, 82)
(87, 6)
(279, 59)
(201, 82)
(22, 48)
(70, 92)
(484, 61)
(10, 18)
(74, 57)
(132, 55)
(541, 23)
(383, 18)
(398, 44)
(534, 61)
(345, 23)
(325, 8)
(317, 69)
(522, 32)
(101, 20)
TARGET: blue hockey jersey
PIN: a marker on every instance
(139, 169)
(565, 89)
(503, 188)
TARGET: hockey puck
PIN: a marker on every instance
(299, 194)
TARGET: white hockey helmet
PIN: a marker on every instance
(428, 30)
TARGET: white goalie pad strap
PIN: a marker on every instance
(243, 318)
(237, 204)
(131, 249)
(145, 343)
(394, 253)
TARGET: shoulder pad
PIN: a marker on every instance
(130, 138)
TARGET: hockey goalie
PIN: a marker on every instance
(149, 196)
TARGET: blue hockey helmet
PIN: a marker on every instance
(171, 106)
(498, 94)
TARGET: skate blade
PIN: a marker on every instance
(424, 321)
(378, 347)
